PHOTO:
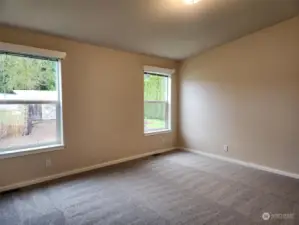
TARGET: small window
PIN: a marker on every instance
(30, 103)
(157, 90)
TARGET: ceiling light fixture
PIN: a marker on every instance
(190, 2)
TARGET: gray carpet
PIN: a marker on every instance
(175, 188)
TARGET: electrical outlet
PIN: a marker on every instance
(225, 148)
(162, 139)
(48, 163)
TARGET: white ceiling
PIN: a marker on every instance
(167, 28)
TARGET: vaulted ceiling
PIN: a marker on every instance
(167, 28)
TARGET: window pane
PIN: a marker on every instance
(29, 80)
(26, 73)
(155, 116)
(155, 88)
(28, 125)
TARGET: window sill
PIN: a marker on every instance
(30, 151)
(157, 132)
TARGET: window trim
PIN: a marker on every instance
(31, 51)
(165, 73)
(158, 70)
(57, 56)
(31, 150)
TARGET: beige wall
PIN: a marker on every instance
(245, 94)
(103, 108)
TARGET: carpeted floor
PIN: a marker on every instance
(175, 188)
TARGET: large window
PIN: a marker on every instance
(157, 96)
(30, 102)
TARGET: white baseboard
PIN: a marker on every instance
(81, 170)
(243, 163)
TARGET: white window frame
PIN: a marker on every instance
(37, 53)
(166, 73)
